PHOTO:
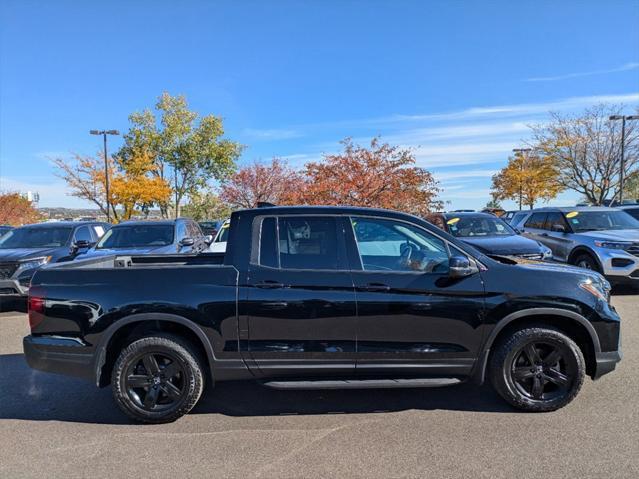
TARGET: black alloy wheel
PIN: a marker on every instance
(158, 378)
(586, 261)
(537, 369)
(155, 381)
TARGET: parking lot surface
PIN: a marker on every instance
(55, 426)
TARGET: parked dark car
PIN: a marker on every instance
(632, 210)
(492, 235)
(210, 228)
(322, 297)
(179, 236)
(24, 250)
(4, 229)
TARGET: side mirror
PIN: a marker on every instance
(79, 245)
(460, 267)
(187, 242)
(558, 228)
(208, 239)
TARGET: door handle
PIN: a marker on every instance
(376, 287)
(268, 284)
(275, 305)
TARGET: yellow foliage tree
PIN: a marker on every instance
(528, 178)
(133, 184)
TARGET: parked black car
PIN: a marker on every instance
(181, 236)
(24, 250)
(492, 235)
(322, 297)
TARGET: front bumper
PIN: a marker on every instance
(606, 362)
(55, 354)
(12, 287)
(610, 262)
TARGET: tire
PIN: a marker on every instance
(587, 261)
(157, 379)
(548, 381)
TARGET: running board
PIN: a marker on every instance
(364, 383)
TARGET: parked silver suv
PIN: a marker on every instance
(598, 238)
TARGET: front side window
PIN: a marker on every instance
(83, 234)
(556, 219)
(634, 212)
(387, 245)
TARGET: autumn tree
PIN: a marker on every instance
(631, 187)
(380, 176)
(273, 182)
(15, 210)
(189, 150)
(134, 184)
(586, 149)
(528, 178)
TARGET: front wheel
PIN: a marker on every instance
(586, 261)
(157, 379)
(537, 369)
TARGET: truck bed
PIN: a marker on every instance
(128, 261)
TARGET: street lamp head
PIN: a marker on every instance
(112, 132)
(615, 117)
(95, 132)
(632, 117)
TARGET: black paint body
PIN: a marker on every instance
(263, 322)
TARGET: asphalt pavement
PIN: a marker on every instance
(55, 426)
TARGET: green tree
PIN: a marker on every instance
(205, 205)
(189, 149)
(631, 187)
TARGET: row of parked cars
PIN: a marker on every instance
(25, 249)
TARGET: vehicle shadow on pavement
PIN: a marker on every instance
(31, 395)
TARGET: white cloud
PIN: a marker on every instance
(622, 68)
(455, 175)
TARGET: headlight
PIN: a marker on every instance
(546, 252)
(33, 263)
(613, 244)
(597, 289)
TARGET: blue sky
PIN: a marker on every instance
(457, 81)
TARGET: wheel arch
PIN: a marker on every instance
(570, 323)
(581, 249)
(116, 335)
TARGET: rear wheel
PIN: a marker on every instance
(157, 379)
(586, 261)
(537, 369)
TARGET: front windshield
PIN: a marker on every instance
(135, 236)
(601, 220)
(40, 237)
(473, 226)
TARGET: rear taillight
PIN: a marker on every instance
(36, 310)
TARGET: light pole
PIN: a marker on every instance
(521, 151)
(104, 133)
(622, 160)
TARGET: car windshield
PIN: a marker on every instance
(133, 236)
(40, 237)
(471, 226)
(601, 220)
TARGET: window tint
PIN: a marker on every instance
(387, 245)
(99, 231)
(517, 218)
(268, 243)
(83, 234)
(634, 212)
(555, 219)
(194, 230)
(181, 230)
(536, 220)
(309, 243)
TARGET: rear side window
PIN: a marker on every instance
(536, 220)
(634, 212)
(299, 242)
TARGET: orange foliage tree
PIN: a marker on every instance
(380, 176)
(16, 210)
(273, 183)
(134, 186)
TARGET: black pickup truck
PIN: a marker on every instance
(322, 297)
